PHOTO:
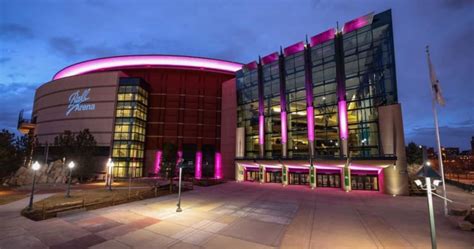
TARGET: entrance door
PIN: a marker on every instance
(299, 178)
(252, 176)
(273, 176)
(328, 180)
(365, 182)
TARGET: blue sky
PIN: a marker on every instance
(38, 38)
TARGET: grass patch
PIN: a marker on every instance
(89, 200)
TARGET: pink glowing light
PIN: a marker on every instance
(327, 167)
(157, 161)
(296, 167)
(323, 37)
(284, 128)
(131, 61)
(261, 123)
(252, 65)
(365, 168)
(342, 110)
(218, 166)
(357, 23)
(310, 119)
(293, 49)
(198, 165)
(270, 58)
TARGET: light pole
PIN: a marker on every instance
(427, 172)
(70, 166)
(180, 165)
(36, 166)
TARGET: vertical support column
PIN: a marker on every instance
(240, 142)
(198, 165)
(218, 166)
(284, 175)
(261, 118)
(283, 116)
(341, 94)
(312, 176)
(239, 172)
(261, 173)
(346, 174)
(309, 99)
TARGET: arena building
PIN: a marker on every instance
(323, 112)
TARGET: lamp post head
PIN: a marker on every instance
(71, 165)
(36, 166)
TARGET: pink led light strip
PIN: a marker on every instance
(147, 60)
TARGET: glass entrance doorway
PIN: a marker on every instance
(365, 182)
(252, 176)
(298, 178)
(328, 180)
(273, 176)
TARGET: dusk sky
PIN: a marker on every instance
(38, 38)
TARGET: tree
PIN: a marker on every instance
(169, 158)
(79, 148)
(10, 158)
(414, 154)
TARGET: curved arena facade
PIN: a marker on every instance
(133, 105)
(323, 112)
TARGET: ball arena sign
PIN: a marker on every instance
(76, 102)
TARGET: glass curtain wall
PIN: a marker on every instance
(130, 128)
(247, 109)
(272, 109)
(296, 105)
(325, 100)
(369, 70)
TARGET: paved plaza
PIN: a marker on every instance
(242, 215)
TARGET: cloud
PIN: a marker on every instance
(71, 48)
(14, 31)
(457, 135)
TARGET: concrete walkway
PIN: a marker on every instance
(245, 215)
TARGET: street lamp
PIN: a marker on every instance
(36, 166)
(428, 172)
(180, 165)
(70, 166)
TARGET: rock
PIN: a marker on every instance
(55, 172)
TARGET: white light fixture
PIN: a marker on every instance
(418, 183)
(71, 165)
(436, 183)
(36, 166)
(428, 163)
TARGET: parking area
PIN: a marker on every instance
(243, 215)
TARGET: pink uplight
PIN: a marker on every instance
(198, 165)
(310, 119)
(342, 110)
(130, 61)
(284, 128)
(218, 166)
(157, 161)
(261, 123)
(357, 23)
(323, 37)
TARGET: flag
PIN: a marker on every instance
(435, 87)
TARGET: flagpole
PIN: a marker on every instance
(440, 156)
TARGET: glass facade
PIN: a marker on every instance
(361, 59)
(272, 109)
(323, 69)
(296, 104)
(247, 110)
(130, 128)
